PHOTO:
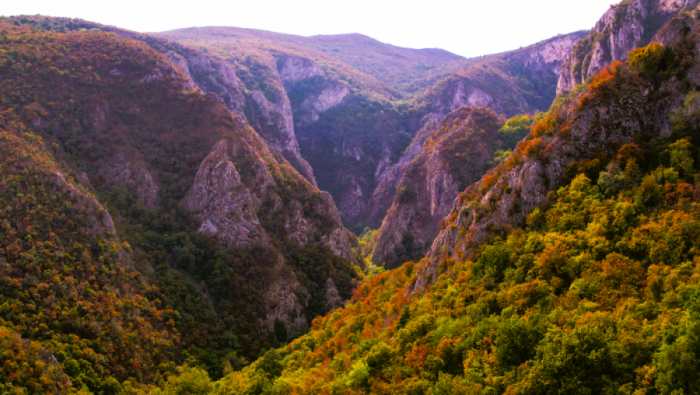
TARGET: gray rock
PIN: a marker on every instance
(621, 29)
(223, 205)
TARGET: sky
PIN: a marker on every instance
(466, 27)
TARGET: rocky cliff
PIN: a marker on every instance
(624, 27)
(517, 82)
(624, 104)
(457, 153)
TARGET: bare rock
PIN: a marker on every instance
(181, 62)
(330, 97)
(285, 301)
(522, 184)
(293, 69)
(275, 124)
(430, 183)
(622, 28)
(222, 203)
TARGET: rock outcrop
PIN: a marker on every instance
(223, 204)
(272, 119)
(246, 198)
(457, 153)
(244, 193)
(624, 27)
(283, 304)
(512, 83)
(332, 297)
(274, 122)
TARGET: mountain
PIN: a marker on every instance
(353, 128)
(571, 268)
(135, 207)
(269, 113)
(394, 66)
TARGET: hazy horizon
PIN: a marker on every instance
(469, 28)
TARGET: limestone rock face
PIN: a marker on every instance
(181, 62)
(494, 83)
(523, 182)
(458, 91)
(622, 28)
(457, 152)
(237, 197)
(271, 119)
(274, 122)
(320, 223)
(223, 204)
(332, 95)
(328, 94)
(200, 70)
(293, 69)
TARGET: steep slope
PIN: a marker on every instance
(626, 26)
(219, 228)
(596, 293)
(521, 81)
(269, 113)
(30, 367)
(580, 133)
(65, 279)
(456, 154)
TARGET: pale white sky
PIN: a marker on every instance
(467, 27)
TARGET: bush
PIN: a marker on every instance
(189, 381)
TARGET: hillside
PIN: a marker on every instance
(611, 34)
(585, 281)
(136, 208)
